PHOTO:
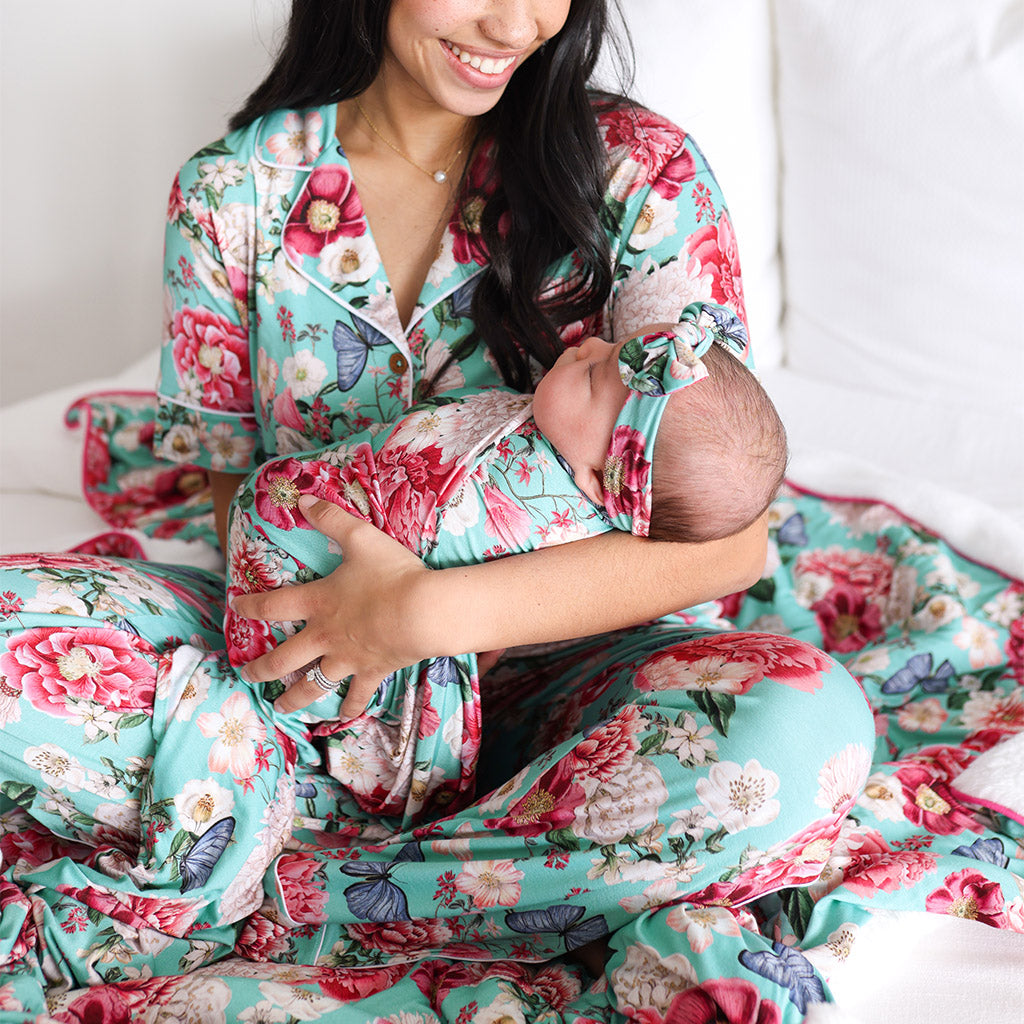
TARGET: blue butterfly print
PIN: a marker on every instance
(729, 328)
(197, 865)
(789, 968)
(305, 789)
(988, 850)
(792, 531)
(563, 919)
(377, 898)
(353, 348)
(919, 670)
(442, 671)
(462, 298)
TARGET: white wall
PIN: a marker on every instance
(101, 102)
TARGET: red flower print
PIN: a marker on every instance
(868, 572)
(262, 939)
(929, 803)
(301, 884)
(550, 803)
(651, 139)
(626, 475)
(214, 351)
(247, 639)
(107, 666)
(969, 894)
(358, 983)
(679, 170)
(172, 917)
(327, 209)
(410, 482)
(467, 241)
(848, 622)
(103, 1003)
(722, 1001)
(714, 245)
(1015, 650)
(278, 487)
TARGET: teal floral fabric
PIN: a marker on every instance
(710, 805)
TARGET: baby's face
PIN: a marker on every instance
(576, 405)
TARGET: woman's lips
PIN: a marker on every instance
(479, 69)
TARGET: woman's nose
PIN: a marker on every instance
(510, 23)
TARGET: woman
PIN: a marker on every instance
(511, 214)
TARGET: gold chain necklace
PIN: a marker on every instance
(439, 176)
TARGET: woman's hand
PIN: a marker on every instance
(357, 619)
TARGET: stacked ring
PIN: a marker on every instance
(316, 676)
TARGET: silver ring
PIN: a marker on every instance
(316, 676)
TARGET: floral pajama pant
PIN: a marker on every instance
(147, 796)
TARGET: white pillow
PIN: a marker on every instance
(902, 131)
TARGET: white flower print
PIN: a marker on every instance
(56, 766)
(57, 597)
(883, 797)
(655, 222)
(939, 610)
(868, 661)
(103, 785)
(1004, 609)
(810, 588)
(693, 822)
(290, 441)
(299, 1002)
(349, 260)
(625, 804)
(193, 695)
(181, 442)
(300, 141)
(926, 715)
(657, 894)
(899, 605)
(283, 278)
(714, 672)
(227, 448)
(266, 374)
(434, 355)
(979, 641)
(196, 999)
(304, 373)
(221, 174)
(461, 511)
(993, 709)
(768, 624)
(264, 1012)
(689, 742)
(650, 979)
(651, 294)
(740, 797)
(842, 777)
(697, 924)
(201, 802)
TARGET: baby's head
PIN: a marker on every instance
(671, 433)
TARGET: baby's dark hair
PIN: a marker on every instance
(719, 456)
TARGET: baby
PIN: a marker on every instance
(668, 435)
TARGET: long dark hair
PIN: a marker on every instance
(550, 162)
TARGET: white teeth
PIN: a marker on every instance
(486, 65)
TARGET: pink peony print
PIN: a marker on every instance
(683, 668)
(608, 748)
(235, 730)
(410, 482)
(505, 519)
(626, 476)
(104, 1003)
(277, 490)
(172, 917)
(247, 639)
(301, 883)
(715, 246)
(213, 351)
(868, 572)
(721, 1001)
(106, 666)
(350, 985)
(970, 895)
(550, 803)
(679, 170)
(1015, 650)
(651, 139)
(327, 209)
(848, 622)
(421, 935)
(262, 939)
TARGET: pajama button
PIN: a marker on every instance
(398, 363)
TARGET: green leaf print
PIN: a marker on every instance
(797, 905)
(564, 838)
(719, 708)
(20, 793)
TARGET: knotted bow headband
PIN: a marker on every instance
(655, 367)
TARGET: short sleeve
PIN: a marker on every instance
(673, 241)
(205, 391)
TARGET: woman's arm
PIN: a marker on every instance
(383, 609)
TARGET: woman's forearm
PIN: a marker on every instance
(578, 589)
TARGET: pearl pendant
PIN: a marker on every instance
(440, 177)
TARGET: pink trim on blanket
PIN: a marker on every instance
(991, 805)
(811, 492)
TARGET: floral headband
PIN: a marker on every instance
(655, 367)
